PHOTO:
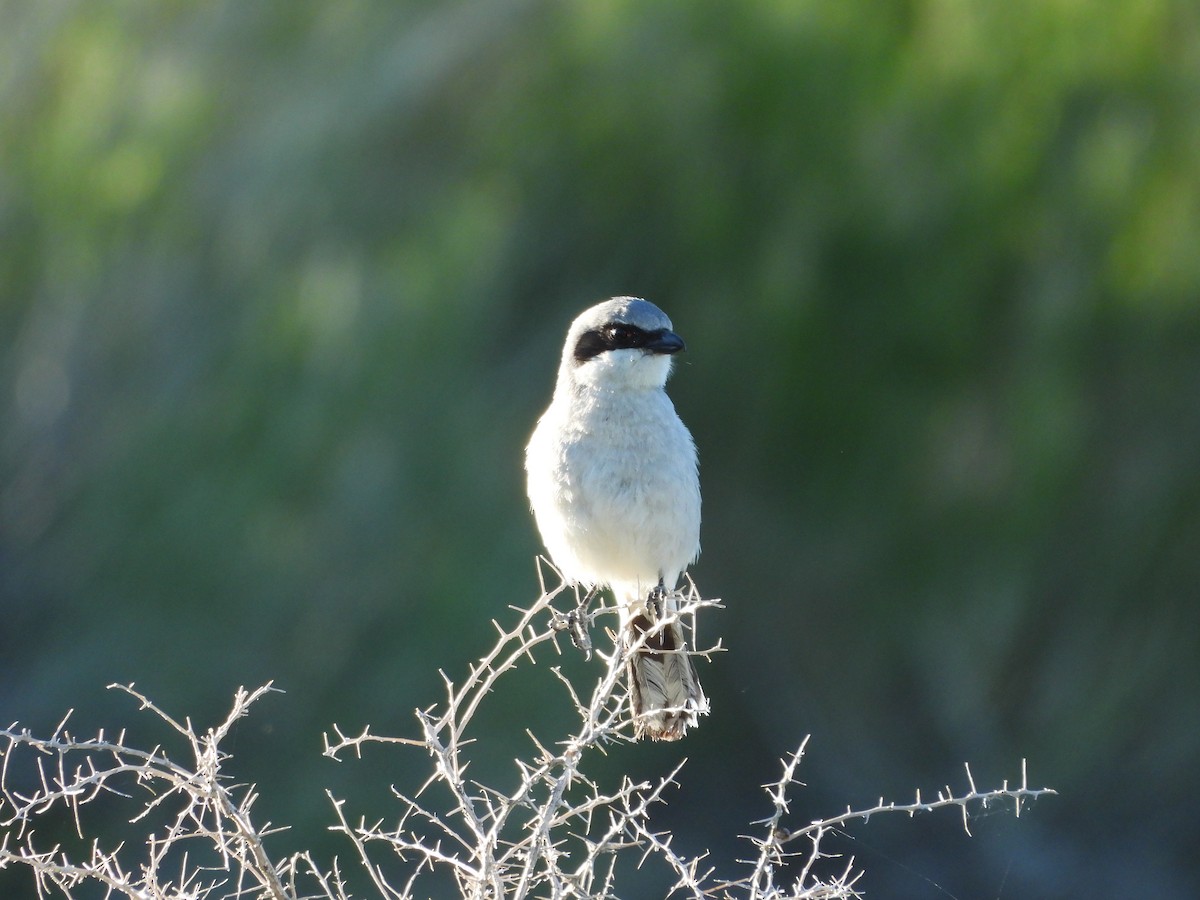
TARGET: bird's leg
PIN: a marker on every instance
(654, 602)
(578, 621)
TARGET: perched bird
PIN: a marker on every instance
(612, 480)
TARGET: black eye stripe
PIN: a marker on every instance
(590, 345)
(613, 336)
(622, 337)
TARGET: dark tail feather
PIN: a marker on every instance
(664, 691)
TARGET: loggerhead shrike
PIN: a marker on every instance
(613, 484)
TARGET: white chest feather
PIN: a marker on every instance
(614, 488)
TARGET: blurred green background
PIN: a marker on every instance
(282, 291)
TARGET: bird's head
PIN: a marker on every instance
(620, 344)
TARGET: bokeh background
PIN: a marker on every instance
(282, 291)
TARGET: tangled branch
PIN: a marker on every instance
(559, 832)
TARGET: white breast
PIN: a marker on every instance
(614, 489)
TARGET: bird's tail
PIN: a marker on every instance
(665, 693)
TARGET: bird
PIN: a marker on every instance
(613, 483)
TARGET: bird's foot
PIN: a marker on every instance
(655, 601)
(578, 621)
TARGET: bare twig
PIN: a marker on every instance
(557, 833)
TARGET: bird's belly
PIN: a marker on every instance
(633, 519)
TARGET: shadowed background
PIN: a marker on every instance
(283, 288)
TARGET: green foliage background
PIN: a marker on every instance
(282, 290)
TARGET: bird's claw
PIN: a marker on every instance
(577, 623)
(655, 601)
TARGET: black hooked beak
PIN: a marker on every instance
(664, 342)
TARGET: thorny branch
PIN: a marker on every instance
(557, 833)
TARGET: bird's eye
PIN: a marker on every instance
(624, 336)
(613, 336)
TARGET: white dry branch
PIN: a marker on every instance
(558, 831)
(205, 828)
